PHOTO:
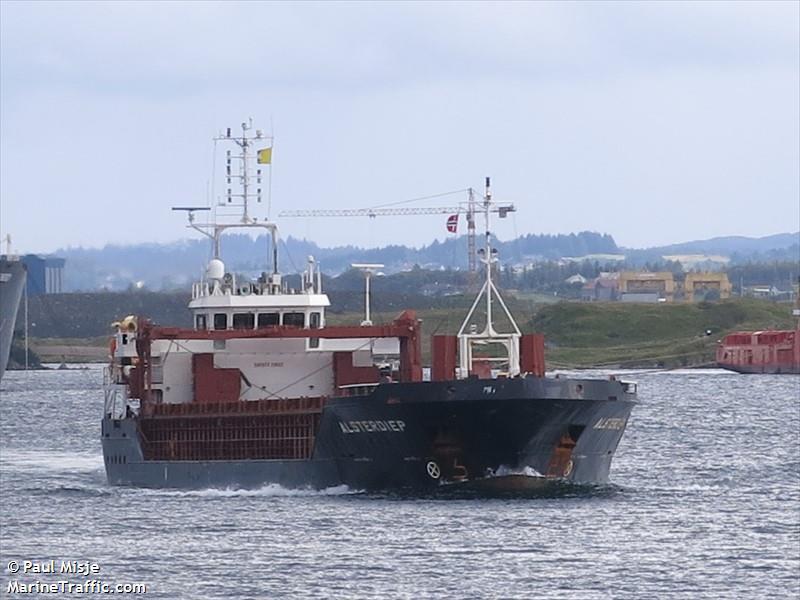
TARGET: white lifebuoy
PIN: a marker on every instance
(433, 470)
(568, 468)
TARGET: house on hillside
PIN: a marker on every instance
(600, 289)
(577, 278)
(770, 292)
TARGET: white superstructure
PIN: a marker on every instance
(219, 301)
(270, 367)
(255, 340)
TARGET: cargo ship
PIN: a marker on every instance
(261, 390)
(768, 352)
(12, 284)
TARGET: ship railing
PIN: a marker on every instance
(358, 389)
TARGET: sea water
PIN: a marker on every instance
(704, 502)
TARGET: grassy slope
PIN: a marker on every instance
(648, 334)
(598, 334)
(578, 334)
(71, 350)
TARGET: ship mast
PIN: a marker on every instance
(240, 200)
(245, 143)
(468, 335)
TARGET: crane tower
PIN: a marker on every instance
(468, 208)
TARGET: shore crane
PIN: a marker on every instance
(469, 208)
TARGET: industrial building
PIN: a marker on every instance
(697, 286)
(661, 286)
(45, 274)
(637, 286)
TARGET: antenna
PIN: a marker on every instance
(471, 234)
(190, 210)
(368, 269)
(243, 169)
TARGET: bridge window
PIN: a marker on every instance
(268, 320)
(244, 320)
(294, 319)
(200, 322)
(314, 322)
(220, 321)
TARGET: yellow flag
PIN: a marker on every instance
(265, 156)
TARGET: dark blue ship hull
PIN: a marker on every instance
(416, 436)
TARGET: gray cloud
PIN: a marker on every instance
(655, 122)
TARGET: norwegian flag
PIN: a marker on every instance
(452, 223)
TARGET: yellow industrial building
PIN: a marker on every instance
(701, 283)
(660, 284)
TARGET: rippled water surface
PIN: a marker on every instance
(705, 503)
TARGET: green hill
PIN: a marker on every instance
(597, 334)
(583, 335)
(577, 334)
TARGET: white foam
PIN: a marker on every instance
(503, 471)
(46, 460)
(271, 490)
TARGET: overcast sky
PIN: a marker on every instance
(654, 122)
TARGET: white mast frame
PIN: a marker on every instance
(467, 340)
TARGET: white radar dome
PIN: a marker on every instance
(216, 269)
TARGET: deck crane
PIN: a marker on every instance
(468, 208)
